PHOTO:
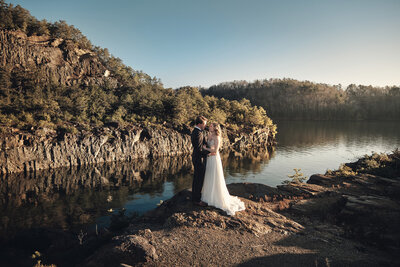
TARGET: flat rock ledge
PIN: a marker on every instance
(350, 221)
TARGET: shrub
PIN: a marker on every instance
(67, 129)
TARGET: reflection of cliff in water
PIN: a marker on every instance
(66, 197)
(246, 161)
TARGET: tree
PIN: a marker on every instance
(20, 18)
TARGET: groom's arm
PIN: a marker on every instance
(198, 143)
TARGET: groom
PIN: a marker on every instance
(199, 159)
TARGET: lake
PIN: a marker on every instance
(82, 197)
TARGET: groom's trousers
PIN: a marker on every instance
(199, 164)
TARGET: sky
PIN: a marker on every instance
(206, 42)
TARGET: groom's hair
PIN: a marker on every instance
(200, 120)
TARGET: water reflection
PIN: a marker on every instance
(69, 198)
(246, 162)
(306, 134)
(316, 146)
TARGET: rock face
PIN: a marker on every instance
(59, 61)
(370, 206)
(366, 206)
(30, 152)
(21, 151)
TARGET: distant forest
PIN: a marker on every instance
(27, 101)
(292, 99)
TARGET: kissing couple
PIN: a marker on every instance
(209, 187)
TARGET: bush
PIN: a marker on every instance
(297, 177)
(67, 129)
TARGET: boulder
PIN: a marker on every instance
(124, 249)
(372, 218)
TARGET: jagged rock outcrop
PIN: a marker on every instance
(365, 205)
(369, 206)
(29, 152)
(22, 151)
(240, 141)
(257, 219)
(57, 60)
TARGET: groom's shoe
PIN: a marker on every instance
(201, 204)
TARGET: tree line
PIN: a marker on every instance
(293, 99)
(25, 102)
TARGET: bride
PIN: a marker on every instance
(214, 190)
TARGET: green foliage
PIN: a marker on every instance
(297, 177)
(292, 99)
(27, 100)
(385, 165)
(345, 171)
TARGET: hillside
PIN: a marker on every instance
(292, 99)
(52, 76)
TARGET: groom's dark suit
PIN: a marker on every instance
(199, 159)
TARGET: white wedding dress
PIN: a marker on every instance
(214, 192)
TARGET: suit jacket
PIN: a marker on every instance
(198, 140)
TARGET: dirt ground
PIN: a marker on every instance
(195, 236)
(185, 246)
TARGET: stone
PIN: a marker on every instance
(23, 151)
(59, 59)
(125, 249)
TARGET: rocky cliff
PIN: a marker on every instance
(48, 61)
(58, 61)
(44, 148)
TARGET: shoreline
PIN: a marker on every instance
(346, 217)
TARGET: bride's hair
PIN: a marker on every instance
(217, 129)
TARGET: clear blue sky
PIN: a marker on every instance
(205, 42)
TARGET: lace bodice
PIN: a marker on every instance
(210, 142)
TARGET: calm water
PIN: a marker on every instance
(315, 147)
(79, 198)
